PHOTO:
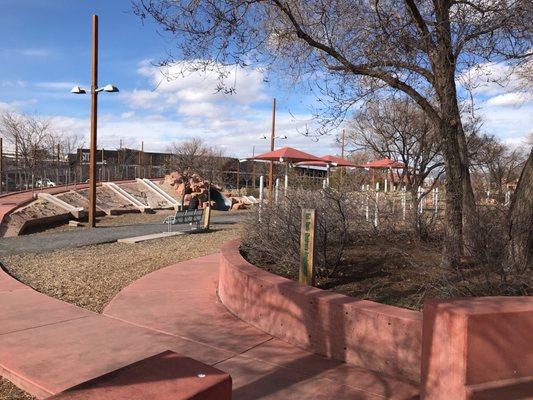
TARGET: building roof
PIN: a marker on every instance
(383, 164)
(286, 154)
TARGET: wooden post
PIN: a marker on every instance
(207, 216)
(307, 247)
(272, 136)
(94, 119)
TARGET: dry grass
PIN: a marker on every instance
(91, 276)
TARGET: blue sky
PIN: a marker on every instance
(45, 50)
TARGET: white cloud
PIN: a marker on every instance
(510, 99)
(55, 85)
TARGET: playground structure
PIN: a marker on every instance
(55, 205)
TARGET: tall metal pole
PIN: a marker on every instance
(253, 167)
(94, 106)
(342, 156)
(272, 136)
(57, 162)
(2, 165)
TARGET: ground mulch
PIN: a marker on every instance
(91, 276)
(8, 391)
(404, 274)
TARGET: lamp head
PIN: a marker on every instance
(110, 89)
(78, 90)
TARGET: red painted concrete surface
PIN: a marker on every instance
(165, 376)
(181, 301)
(370, 335)
(477, 349)
(48, 346)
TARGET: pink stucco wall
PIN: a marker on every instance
(364, 333)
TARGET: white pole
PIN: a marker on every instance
(404, 202)
(436, 201)
(261, 195)
(261, 184)
(276, 193)
(377, 186)
(327, 176)
(376, 210)
(386, 185)
(367, 208)
(286, 179)
(420, 207)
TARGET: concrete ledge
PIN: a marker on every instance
(367, 334)
(144, 238)
(163, 376)
(478, 348)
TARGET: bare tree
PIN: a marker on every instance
(416, 47)
(497, 161)
(520, 235)
(399, 130)
(195, 157)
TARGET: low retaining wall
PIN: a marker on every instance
(364, 333)
(478, 349)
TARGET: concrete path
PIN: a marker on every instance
(180, 301)
(47, 345)
(85, 237)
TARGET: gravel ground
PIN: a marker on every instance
(125, 219)
(91, 276)
(8, 391)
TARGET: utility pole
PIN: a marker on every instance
(272, 136)
(2, 164)
(253, 167)
(341, 169)
(238, 177)
(141, 154)
(94, 106)
(57, 162)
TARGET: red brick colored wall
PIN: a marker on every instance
(478, 348)
(364, 333)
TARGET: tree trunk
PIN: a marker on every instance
(518, 250)
(470, 215)
(453, 231)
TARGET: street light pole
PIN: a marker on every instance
(272, 136)
(94, 106)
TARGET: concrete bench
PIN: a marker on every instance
(164, 376)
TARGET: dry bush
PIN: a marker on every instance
(273, 233)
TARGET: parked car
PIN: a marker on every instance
(9, 184)
(45, 183)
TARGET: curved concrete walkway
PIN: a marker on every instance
(181, 301)
(47, 345)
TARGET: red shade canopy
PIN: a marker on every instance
(287, 154)
(382, 164)
(329, 159)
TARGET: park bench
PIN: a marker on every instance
(185, 217)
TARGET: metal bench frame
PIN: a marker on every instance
(185, 217)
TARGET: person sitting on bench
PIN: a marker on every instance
(194, 203)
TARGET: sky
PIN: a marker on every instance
(46, 49)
